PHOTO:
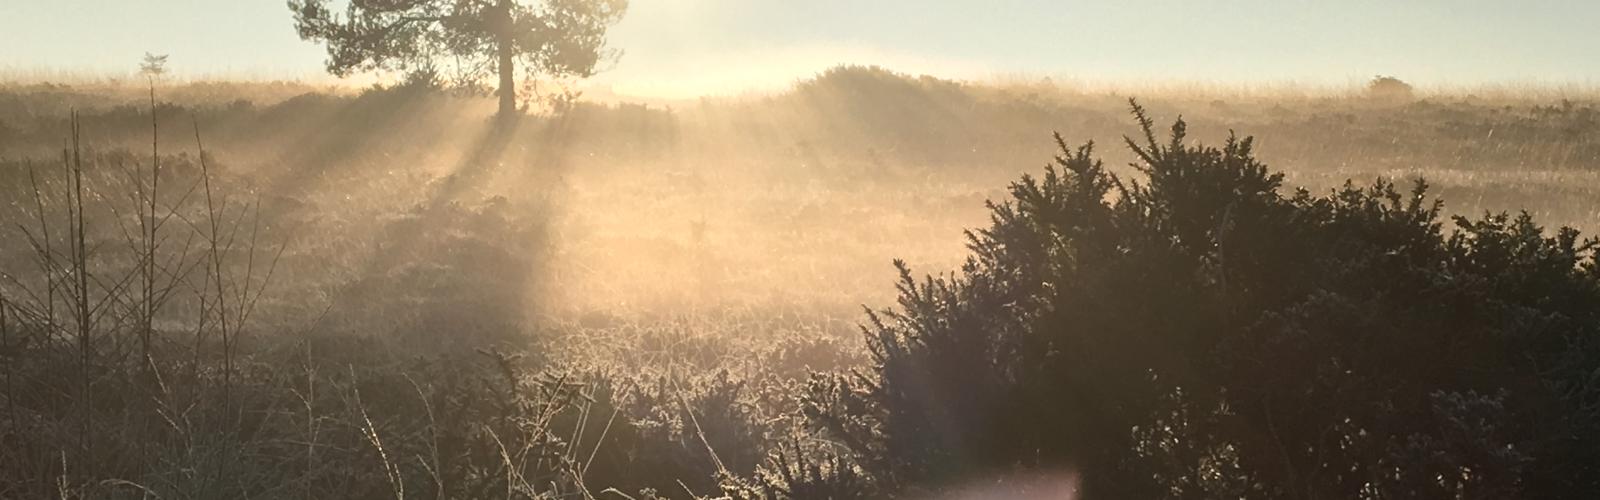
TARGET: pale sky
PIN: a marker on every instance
(689, 46)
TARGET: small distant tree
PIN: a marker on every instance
(557, 38)
(153, 66)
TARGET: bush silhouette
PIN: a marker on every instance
(1198, 332)
(1388, 87)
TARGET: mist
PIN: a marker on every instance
(550, 272)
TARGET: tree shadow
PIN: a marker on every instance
(481, 159)
(339, 138)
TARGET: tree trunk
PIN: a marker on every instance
(505, 52)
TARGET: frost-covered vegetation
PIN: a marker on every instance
(274, 291)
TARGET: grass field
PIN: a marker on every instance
(689, 261)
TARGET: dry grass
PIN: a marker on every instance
(637, 244)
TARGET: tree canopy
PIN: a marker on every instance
(472, 38)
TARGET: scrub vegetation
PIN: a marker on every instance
(871, 285)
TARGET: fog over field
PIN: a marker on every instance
(588, 249)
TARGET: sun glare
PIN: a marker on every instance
(820, 250)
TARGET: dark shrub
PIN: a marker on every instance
(1199, 333)
(1388, 87)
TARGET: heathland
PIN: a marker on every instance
(217, 290)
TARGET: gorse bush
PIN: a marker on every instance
(1388, 87)
(1198, 332)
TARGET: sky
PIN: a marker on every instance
(688, 47)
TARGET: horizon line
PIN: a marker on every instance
(15, 75)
